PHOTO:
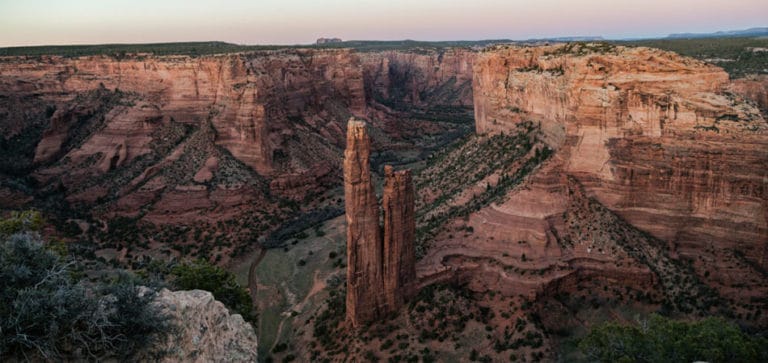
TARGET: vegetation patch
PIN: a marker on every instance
(660, 339)
(49, 312)
(469, 163)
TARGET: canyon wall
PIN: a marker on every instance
(380, 264)
(655, 137)
(172, 146)
(255, 101)
(419, 78)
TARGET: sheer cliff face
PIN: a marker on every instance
(176, 139)
(754, 88)
(365, 296)
(418, 79)
(653, 136)
(252, 100)
(380, 263)
(398, 203)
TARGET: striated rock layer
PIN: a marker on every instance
(653, 136)
(657, 183)
(178, 140)
(380, 264)
(253, 100)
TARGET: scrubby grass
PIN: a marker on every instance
(465, 165)
(284, 284)
(659, 339)
(49, 312)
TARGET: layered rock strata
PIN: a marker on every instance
(653, 136)
(380, 263)
(255, 101)
(658, 172)
(178, 140)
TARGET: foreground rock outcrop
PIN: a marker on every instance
(204, 330)
(380, 264)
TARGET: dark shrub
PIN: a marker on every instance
(47, 314)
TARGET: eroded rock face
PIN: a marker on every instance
(753, 88)
(399, 236)
(177, 139)
(251, 99)
(650, 134)
(428, 77)
(205, 330)
(657, 183)
(380, 264)
(365, 293)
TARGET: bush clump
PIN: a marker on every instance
(48, 314)
(221, 283)
(664, 340)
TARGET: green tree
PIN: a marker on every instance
(221, 283)
(47, 314)
(23, 221)
(659, 339)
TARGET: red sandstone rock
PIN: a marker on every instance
(365, 293)
(249, 98)
(259, 105)
(420, 78)
(649, 133)
(380, 271)
(399, 235)
(635, 130)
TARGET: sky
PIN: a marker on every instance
(48, 22)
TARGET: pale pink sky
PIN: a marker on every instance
(30, 22)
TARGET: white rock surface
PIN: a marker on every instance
(204, 330)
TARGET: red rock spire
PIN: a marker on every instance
(380, 268)
(399, 236)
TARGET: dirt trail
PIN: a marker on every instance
(318, 285)
(252, 285)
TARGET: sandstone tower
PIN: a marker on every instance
(380, 264)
